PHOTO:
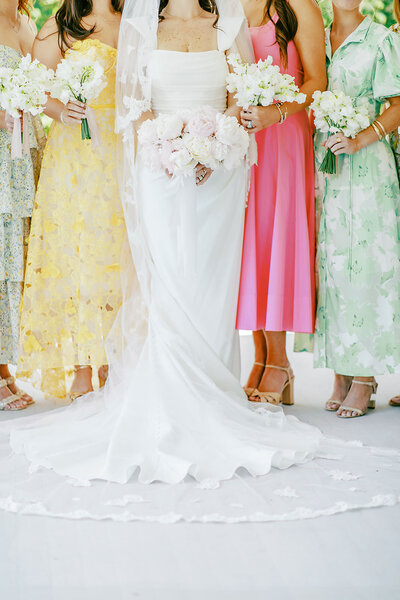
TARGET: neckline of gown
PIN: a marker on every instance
(189, 53)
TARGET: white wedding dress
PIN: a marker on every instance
(177, 414)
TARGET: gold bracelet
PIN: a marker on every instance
(278, 106)
(381, 127)
(377, 131)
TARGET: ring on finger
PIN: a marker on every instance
(338, 139)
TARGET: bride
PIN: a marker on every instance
(173, 406)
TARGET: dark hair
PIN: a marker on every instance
(208, 5)
(396, 10)
(69, 20)
(285, 27)
(24, 6)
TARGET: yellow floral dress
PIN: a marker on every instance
(72, 284)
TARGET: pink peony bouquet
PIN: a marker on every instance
(177, 143)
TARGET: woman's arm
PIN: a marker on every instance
(390, 120)
(47, 50)
(310, 44)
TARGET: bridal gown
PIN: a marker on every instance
(176, 416)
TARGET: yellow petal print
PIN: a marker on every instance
(49, 227)
(50, 271)
(79, 225)
(31, 344)
(70, 308)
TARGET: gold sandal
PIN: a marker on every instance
(371, 403)
(287, 395)
(20, 393)
(249, 390)
(339, 404)
(12, 398)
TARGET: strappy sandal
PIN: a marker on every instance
(329, 403)
(5, 402)
(249, 390)
(287, 395)
(371, 403)
(71, 396)
(20, 393)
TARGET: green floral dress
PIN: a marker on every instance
(395, 135)
(358, 255)
(18, 180)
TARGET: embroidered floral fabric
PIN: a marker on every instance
(73, 290)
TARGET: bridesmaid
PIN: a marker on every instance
(277, 290)
(73, 290)
(358, 315)
(18, 179)
(395, 143)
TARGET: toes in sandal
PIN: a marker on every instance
(249, 390)
(20, 393)
(358, 411)
(287, 395)
(5, 402)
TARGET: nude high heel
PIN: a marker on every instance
(249, 390)
(71, 396)
(287, 395)
(371, 403)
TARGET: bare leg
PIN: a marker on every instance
(274, 380)
(358, 397)
(341, 387)
(260, 345)
(82, 383)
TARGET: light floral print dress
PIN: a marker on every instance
(395, 135)
(358, 256)
(18, 179)
(73, 289)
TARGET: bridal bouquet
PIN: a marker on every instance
(23, 89)
(178, 143)
(261, 84)
(82, 79)
(335, 112)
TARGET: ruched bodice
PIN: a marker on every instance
(188, 79)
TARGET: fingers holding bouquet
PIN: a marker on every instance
(203, 174)
(340, 144)
(256, 118)
(73, 113)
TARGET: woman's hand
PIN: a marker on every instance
(259, 117)
(340, 144)
(73, 113)
(7, 121)
(203, 174)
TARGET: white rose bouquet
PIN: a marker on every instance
(82, 79)
(24, 89)
(178, 143)
(261, 84)
(335, 112)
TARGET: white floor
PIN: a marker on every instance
(354, 556)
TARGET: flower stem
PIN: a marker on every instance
(328, 165)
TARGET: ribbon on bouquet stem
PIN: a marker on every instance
(18, 147)
(93, 127)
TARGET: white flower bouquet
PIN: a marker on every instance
(24, 89)
(82, 79)
(178, 143)
(261, 84)
(335, 112)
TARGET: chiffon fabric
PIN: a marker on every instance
(73, 288)
(18, 179)
(277, 289)
(358, 315)
(173, 413)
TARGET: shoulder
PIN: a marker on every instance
(378, 32)
(306, 9)
(28, 24)
(50, 28)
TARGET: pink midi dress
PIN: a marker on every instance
(277, 287)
